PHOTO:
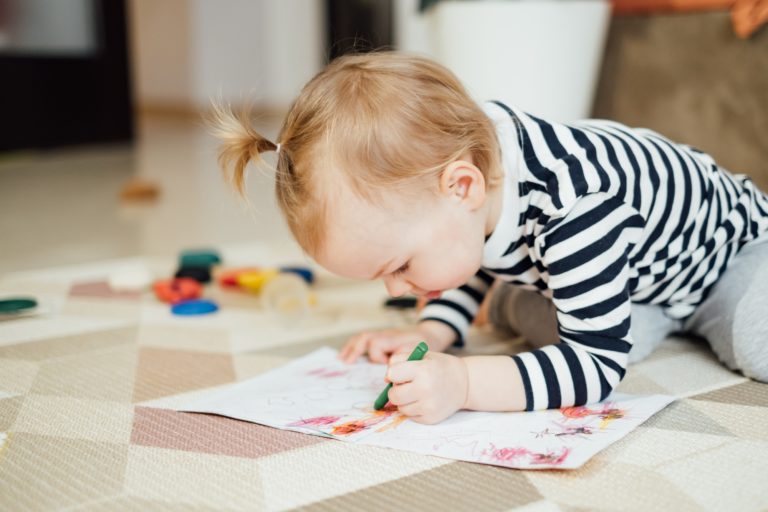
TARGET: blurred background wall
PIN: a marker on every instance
(684, 73)
(187, 51)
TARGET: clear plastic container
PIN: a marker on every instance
(287, 295)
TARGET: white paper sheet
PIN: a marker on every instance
(320, 395)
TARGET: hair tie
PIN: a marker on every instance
(277, 149)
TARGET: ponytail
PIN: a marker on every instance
(240, 143)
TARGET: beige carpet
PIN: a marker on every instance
(76, 386)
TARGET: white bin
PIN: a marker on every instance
(540, 55)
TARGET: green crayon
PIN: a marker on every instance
(416, 355)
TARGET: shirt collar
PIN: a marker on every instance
(509, 227)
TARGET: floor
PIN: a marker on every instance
(87, 391)
(62, 207)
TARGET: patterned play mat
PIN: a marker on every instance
(88, 387)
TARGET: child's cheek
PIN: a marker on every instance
(443, 275)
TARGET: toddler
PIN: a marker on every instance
(604, 238)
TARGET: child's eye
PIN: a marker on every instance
(401, 270)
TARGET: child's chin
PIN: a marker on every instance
(456, 284)
(460, 280)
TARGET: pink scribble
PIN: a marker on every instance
(327, 374)
(508, 456)
(337, 373)
(317, 421)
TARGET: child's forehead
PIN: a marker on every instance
(385, 222)
(388, 218)
(358, 253)
(367, 222)
(355, 179)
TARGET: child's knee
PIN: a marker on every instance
(500, 310)
(649, 328)
(752, 359)
(525, 313)
(750, 334)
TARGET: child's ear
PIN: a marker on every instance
(462, 181)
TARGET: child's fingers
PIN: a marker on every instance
(380, 349)
(343, 352)
(376, 352)
(402, 394)
(398, 357)
(412, 410)
(358, 349)
(355, 348)
(402, 353)
(346, 348)
(399, 373)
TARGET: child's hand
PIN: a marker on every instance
(430, 390)
(379, 345)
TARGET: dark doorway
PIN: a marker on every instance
(63, 73)
(356, 26)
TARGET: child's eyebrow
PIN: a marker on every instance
(381, 271)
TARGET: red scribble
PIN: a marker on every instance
(317, 421)
(387, 410)
(577, 412)
(354, 426)
(365, 423)
(349, 428)
(607, 413)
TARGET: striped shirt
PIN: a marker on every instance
(595, 216)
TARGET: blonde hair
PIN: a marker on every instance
(383, 119)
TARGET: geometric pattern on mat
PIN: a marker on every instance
(86, 397)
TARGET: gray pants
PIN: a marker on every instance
(733, 318)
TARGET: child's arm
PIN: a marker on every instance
(585, 260)
(494, 384)
(430, 390)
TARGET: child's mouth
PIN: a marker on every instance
(433, 295)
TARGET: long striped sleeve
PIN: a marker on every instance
(585, 259)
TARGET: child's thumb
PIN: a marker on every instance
(401, 354)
